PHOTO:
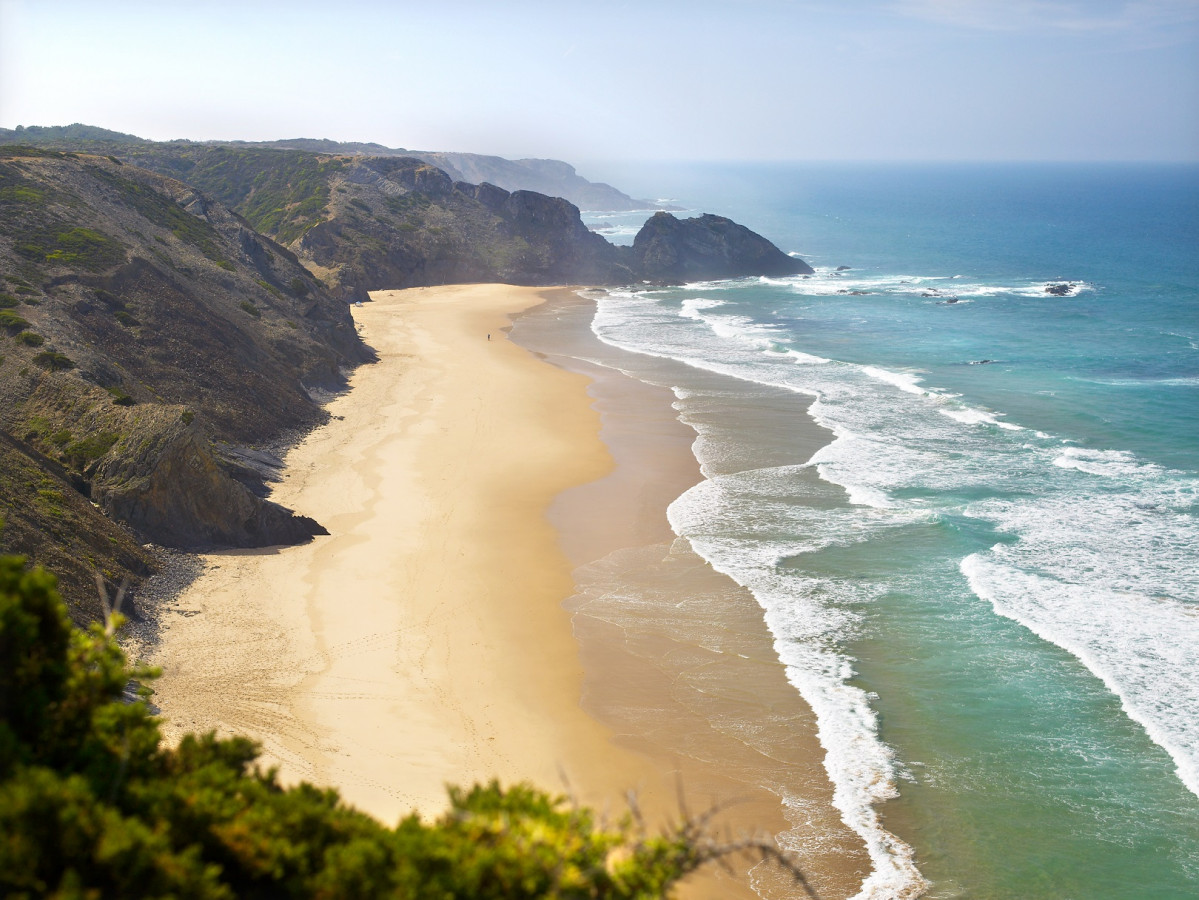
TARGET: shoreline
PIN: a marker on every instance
(678, 658)
(425, 641)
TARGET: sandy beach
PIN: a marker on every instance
(434, 636)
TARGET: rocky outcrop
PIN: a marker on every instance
(148, 327)
(707, 247)
(170, 483)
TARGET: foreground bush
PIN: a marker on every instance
(92, 805)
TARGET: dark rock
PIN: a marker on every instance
(1060, 290)
(173, 487)
(842, 268)
(706, 247)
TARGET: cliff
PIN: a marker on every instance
(552, 177)
(148, 332)
(162, 323)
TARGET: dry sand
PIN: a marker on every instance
(424, 641)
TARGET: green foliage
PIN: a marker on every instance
(22, 150)
(299, 286)
(11, 322)
(30, 339)
(128, 320)
(281, 193)
(88, 449)
(22, 194)
(270, 288)
(187, 417)
(248, 307)
(120, 397)
(53, 362)
(86, 248)
(91, 804)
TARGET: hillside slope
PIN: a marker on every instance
(149, 335)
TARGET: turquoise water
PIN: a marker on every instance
(990, 596)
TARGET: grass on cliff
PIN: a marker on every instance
(282, 193)
(162, 211)
(92, 804)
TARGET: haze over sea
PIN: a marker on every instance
(987, 583)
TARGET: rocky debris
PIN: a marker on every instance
(843, 268)
(1062, 289)
(668, 249)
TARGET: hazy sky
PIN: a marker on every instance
(654, 79)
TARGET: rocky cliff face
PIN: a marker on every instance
(156, 324)
(707, 247)
(144, 331)
(392, 222)
(366, 223)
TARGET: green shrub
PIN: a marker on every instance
(8, 301)
(54, 362)
(11, 322)
(250, 308)
(120, 397)
(126, 319)
(87, 249)
(92, 803)
(30, 338)
(87, 450)
(270, 288)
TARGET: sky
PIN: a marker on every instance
(608, 79)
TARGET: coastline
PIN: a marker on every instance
(678, 659)
(425, 641)
(409, 649)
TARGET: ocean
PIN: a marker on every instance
(985, 583)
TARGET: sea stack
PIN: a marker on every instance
(668, 249)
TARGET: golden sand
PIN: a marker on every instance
(424, 640)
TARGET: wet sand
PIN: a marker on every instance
(425, 641)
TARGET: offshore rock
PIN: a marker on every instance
(707, 247)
